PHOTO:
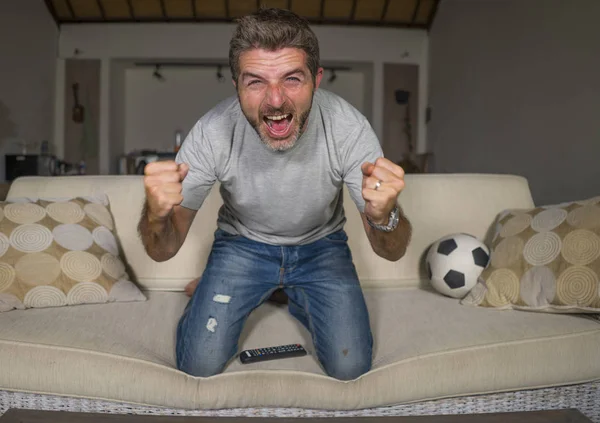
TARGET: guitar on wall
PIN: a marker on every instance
(78, 110)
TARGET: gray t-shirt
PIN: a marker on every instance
(280, 198)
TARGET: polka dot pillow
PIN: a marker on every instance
(544, 259)
(60, 252)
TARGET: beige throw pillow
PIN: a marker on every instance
(60, 252)
(544, 259)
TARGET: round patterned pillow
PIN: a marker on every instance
(60, 252)
(544, 259)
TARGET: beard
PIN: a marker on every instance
(298, 124)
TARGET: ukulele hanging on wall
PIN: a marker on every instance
(78, 110)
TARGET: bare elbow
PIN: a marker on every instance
(156, 252)
(393, 256)
(390, 254)
(397, 256)
(160, 255)
(157, 257)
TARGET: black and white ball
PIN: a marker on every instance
(454, 263)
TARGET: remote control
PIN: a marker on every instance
(272, 353)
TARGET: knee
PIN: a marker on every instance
(348, 366)
(199, 362)
(199, 358)
(200, 367)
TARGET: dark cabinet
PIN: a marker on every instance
(28, 165)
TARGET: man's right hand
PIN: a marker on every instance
(162, 182)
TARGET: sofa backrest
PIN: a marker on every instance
(436, 205)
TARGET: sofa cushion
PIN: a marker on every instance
(545, 258)
(57, 252)
(426, 346)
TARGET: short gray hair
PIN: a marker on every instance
(272, 29)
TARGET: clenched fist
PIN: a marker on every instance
(162, 182)
(382, 182)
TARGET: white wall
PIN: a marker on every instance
(116, 146)
(155, 109)
(28, 49)
(369, 47)
(515, 88)
(212, 41)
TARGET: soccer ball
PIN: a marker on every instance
(454, 263)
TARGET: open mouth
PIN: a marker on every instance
(279, 126)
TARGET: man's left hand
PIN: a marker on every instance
(382, 182)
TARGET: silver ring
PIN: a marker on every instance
(377, 185)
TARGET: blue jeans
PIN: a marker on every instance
(324, 295)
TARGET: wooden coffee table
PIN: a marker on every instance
(550, 416)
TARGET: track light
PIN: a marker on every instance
(157, 73)
(333, 76)
(220, 76)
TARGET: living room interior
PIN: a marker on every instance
(452, 88)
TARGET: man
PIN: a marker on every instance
(281, 150)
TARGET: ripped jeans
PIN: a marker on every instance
(324, 296)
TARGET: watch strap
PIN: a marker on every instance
(392, 221)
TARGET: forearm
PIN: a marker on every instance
(160, 237)
(390, 245)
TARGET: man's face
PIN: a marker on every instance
(276, 89)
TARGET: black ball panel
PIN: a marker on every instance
(454, 279)
(447, 246)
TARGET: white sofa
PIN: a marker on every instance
(427, 346)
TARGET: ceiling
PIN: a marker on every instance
(417, 14)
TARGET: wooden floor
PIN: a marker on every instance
(34, 416)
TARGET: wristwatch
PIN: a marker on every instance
(392, 222)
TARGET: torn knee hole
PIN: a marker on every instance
(223, 299)
(211, 324)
